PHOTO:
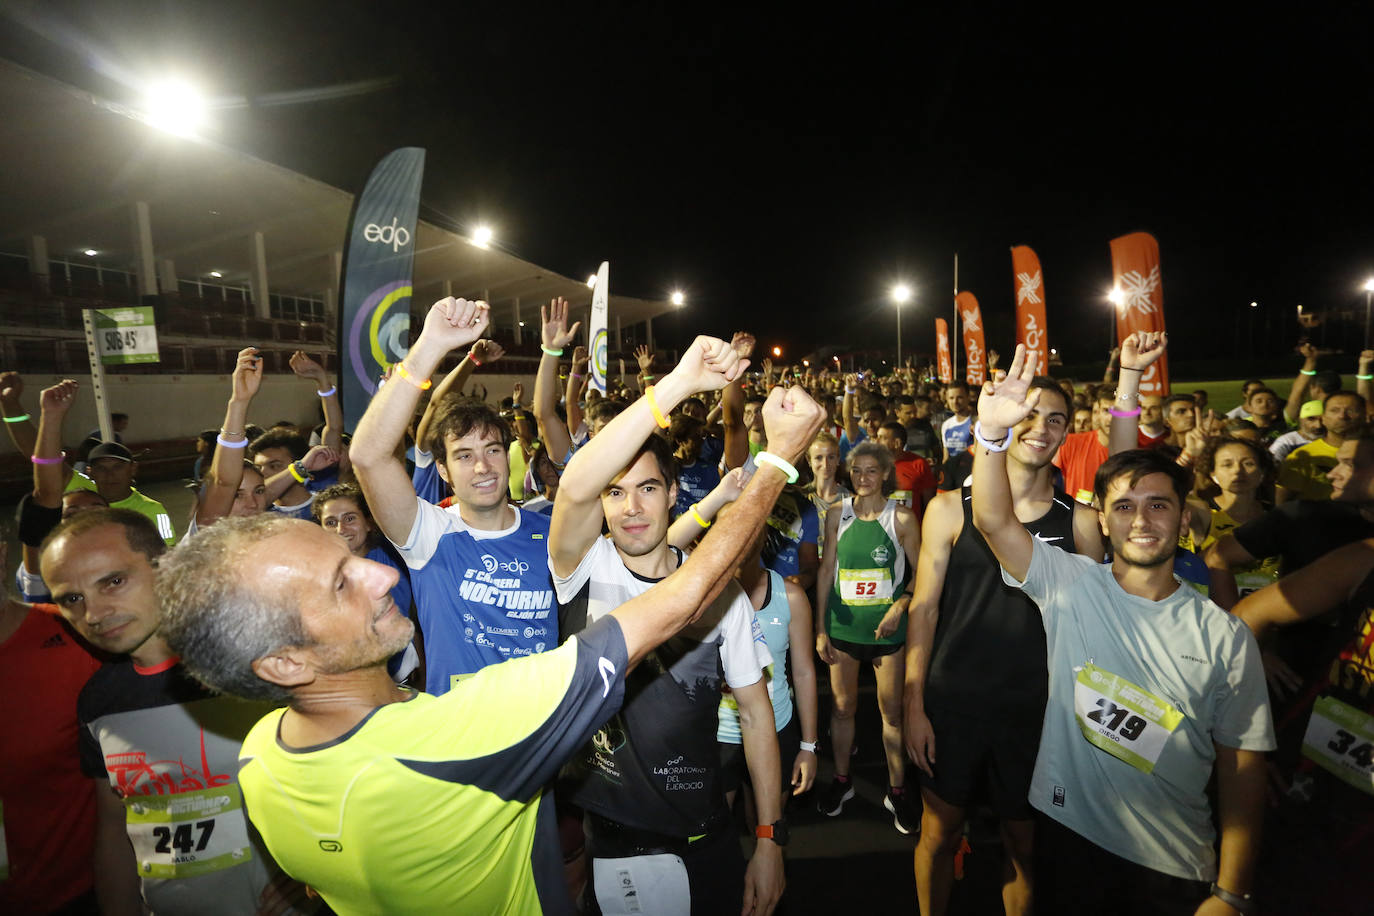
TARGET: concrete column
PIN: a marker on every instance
(338, 269)
(519, 331)
(331, 307)
(257, 275)
(167, 276)
(447, 288)
(144, 264)
(38, 263)
(649, 333)
(616, 348)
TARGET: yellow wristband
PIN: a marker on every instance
(696, 516)
(296, 473)
(659, 418)
(405, 374)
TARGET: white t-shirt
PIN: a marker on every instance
(1184, 651)
(730, 618)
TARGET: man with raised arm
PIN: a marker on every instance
(974, 644)
(388, 801)
(656, 815)
(1152, 688)
(478, 568)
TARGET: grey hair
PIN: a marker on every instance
(870, 449)
(215, 620)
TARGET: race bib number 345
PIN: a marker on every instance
(1340, 739)
(193, 833)
(1125, 720)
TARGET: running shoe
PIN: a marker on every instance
(903, 818)
(832, 802)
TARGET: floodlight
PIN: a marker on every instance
(678, 298)
(901, 293)
(174, 106)
(777, 351)
(216, 274)
(91, 252)
(482, 237)
(1115, 296)
(1369, 285)
(591, 282)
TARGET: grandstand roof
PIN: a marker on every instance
(75, 163)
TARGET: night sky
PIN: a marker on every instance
(790, 168)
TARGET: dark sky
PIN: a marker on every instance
(785, 169)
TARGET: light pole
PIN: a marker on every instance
(1368, 291)
(901, 294)
(1115, 297)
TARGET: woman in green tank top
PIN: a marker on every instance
(864, 591)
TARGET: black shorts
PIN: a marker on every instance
(865, 652)
(1072, 875)
(734, 769)
(982, 761)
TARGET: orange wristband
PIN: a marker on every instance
(403, 373)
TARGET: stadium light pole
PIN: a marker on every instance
(1115, 297)
(1368, 291)
(900, 294)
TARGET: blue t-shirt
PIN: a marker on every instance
(846, 445)
(317, 483)
(696, 480)
(481, 597)
(429, 486)
(792, 522)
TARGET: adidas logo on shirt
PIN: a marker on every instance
(55, 641)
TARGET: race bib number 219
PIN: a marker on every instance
(1125, 720)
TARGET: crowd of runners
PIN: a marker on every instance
(546, 654)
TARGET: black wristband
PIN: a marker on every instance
(1245, 904)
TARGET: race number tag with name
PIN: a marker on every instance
(1340, 739)
(1125, 720)
(860, 587)
(193, 833)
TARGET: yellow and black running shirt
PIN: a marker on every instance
(436, 804)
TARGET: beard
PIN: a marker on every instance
(1142, 557)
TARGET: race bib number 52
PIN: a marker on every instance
(859, 587)
(193, 833)
(1125, 720)
(1340, 739)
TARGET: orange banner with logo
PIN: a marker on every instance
(942, 362)
(1138, 296)
(1029, 284)
(975, 349)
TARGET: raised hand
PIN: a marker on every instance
(1307, 351)
(1366, 360)
(1141, 348)
(247, 377)
(517, 394)
(1002, 405)
(1204, 429)
(554, 332)
(453, 323)
(791, 420)
(58, 399)
(579, 362)
(993, 359)
(744, 343)
(708, 364)
(307, 368)
(486, 351)
(320, 457)
(11, 387)
(645, 358)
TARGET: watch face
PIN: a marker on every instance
(780, 832)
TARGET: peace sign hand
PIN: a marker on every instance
(1002, 405)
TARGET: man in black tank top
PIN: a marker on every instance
(973, 646)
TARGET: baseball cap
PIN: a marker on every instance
(110, 450)
(1310, 409)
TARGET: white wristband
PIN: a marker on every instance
(809, 746)
(978, 434)
(780, 463)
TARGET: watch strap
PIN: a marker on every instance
(1244, 903)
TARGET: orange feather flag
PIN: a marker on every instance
(1138, 295)
(942, 362)
(1029, 283)
(975, 349)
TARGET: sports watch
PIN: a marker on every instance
(776, 831)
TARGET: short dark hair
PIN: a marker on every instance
(896, 429)
(455, 418)
(662, 450)
(1345, 394)
(1178, 398)
(692, 400)
(1328, 380)
(339, 491)
(956, 385)
(904, 400)
(293, 442)
(1263, 389)
(604, 409)
(684, 428)
(139, 530)
(1207, 461)
(116, 417)
(1045, 383)
(1139, 463)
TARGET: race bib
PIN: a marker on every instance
(642, 884)
(193, 833)
(860, 587)
(1340, 739)
(1126, 721)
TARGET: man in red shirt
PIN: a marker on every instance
(915, 479)
(1082, 453)
(47, 807)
